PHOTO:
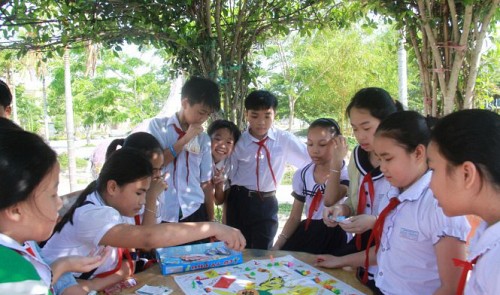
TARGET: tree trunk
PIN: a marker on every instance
(70, 126)
(45, 109)
(12, 86)
(402, 73)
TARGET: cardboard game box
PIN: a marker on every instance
(195, 257)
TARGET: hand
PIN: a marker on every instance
(155, 189)
(339, 153)
(330, 214)
(218, 176)
(329, 261)
(193, 131)
(80, 264)
(231, 236)
(359, 224)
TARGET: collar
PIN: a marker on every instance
(248, 139)
(489, 237)
(362, 160)
(173, 120)
(416, 190)
(96, 198)
(11, 243)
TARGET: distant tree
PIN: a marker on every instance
(447, 37)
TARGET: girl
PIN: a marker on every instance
(416, 240)
(29, 204)
(96, 219)
(150, 147)
(367, 109)
(464, 156)
(223, 134)
(312, 235)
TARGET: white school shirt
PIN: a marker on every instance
(485, 275)
(42, 268)
(90, 223)
(305, 187)
(186, 195)
(406, 259)
(283, 146)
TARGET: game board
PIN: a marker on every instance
(283, 275)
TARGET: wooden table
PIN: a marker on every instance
(153, 277)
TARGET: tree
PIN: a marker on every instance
(447, 37)
(210, 38)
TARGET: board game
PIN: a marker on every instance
(196, 257)
(283, 275)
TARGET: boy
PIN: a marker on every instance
(258, 164)
(187, 153)
(5, 100)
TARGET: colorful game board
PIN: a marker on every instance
(283, 275)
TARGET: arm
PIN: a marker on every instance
(170, 234)
(209, 199)
(331, 213)
(178, 146)
(291, 225)
(334, 191)
(358, 224)
(151, 208)
(355, 260)
(446, 249)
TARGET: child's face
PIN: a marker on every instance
(444, 184)
(400, 168)
(157, 162)
(42, 208)
(195, 114)
(222, 144)
(260, 121)
(364, 126)
(129, 198)
(320, 145)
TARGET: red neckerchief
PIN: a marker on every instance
(362, 201)
(181, 133)
(376, 234)
(121, 251)
(467, 266)
(314, 206)
(262, 145)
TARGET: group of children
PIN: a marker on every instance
(403, 195)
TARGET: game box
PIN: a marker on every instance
(196, 257)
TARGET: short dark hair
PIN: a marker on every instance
(220, 124)
(374, 99)
(141, 141)
(470, 135)
(25, 159)
(329, 123)
(203, 91)
(261, 100)
(5, 94)
(408, 128)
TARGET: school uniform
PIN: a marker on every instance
(91, 222)
(184, 200)
(257, 167)
(485, 275)
(406, 258)
(23, 270)
(312, 235)
(362, 176)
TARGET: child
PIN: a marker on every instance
(464, 157)
(187, 153)
(5, 100)
(29, 204)
(150, 147)
(417, 241)
(258, 164)
(312, 235)
(96, 219)
(368, 107)
(223, 134)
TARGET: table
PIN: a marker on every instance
(153, 277)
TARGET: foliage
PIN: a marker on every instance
(447, 37)
(209, 38)
(29, 110)
(81, 163)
